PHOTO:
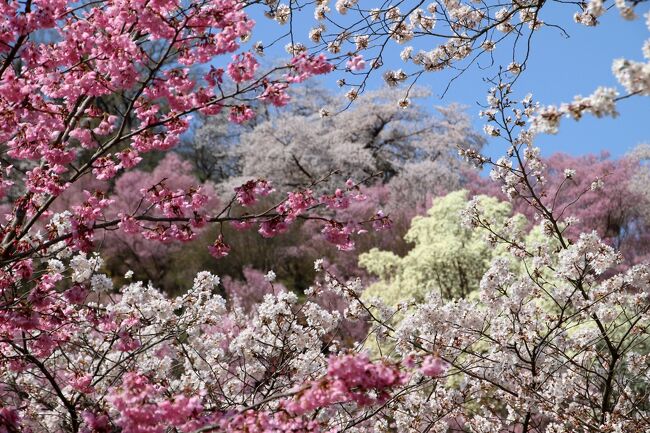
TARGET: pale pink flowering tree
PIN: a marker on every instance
(148, 258)
(145, 362)
(616, 209)
(551, 344)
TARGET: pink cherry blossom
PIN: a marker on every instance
(433, 366)
(356, 63)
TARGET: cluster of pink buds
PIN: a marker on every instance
(219, 248)
(175, 203)
(84, 218)
(305, 66)
(350, 378)
(248, 193)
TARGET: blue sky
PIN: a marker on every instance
(558, 68)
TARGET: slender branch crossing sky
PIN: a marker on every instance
(562, 64)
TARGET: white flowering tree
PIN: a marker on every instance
(412, 150)
(560, 346)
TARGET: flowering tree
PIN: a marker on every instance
(150, 258)
(214, 146)
(446, 258)
(597, 193)
(553, 347)
(412, 150)
(57, 131)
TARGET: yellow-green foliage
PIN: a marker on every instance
(446, 256)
